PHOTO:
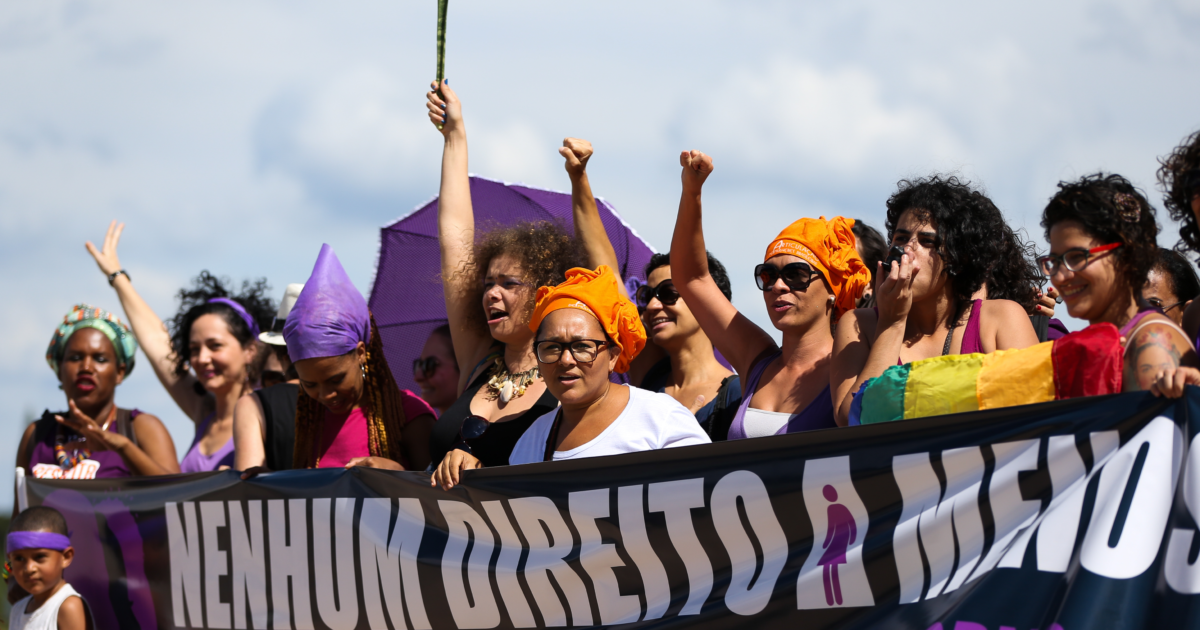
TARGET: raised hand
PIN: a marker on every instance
(1045, 302)
(446, 109)
(696, 168)
(893, 294)
(577, 153)
(106, 258)
(97, 437)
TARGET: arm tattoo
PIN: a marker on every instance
(1151, 352)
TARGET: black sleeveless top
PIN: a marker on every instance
(279, 420)
(496, 444)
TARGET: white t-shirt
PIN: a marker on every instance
(44, 618)
(650, 421)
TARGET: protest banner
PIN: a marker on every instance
(1066, 515)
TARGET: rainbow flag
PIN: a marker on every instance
(1084, 363)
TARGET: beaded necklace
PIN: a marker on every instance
(67, 462)
(505, 385)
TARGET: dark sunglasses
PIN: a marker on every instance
(472, 427)
(665, 292)
(424, 368)
(797, 276)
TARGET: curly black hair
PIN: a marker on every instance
(194, 302)
(1111, 210)
(1016, 277)
(1179, 180)
(1184, 283)
(545, 250)
(715, 269)
(972, 235)
(870, 242)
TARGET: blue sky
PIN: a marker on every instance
(239, 136)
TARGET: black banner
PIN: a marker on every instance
(1070, 515)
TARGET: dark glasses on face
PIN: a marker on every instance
(424, 368)
(1158, 303)
(797, 276)
(665, 292)
(1074, 259)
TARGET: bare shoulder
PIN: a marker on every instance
(1002, 310)
(858, 323)
(1158, 328)
(248, 406)
(72, 614)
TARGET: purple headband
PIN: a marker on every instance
(37, 540)
(240, 310)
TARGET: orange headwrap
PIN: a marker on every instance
(829, 247)
(597, 293)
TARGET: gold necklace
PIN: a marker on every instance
(505, 385)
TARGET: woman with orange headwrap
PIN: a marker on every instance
(953, 238)
(811, 274)
(585, 330)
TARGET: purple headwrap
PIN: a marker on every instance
(330, 316)
(240, 310)
(36, 540)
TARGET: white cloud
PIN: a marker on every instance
(813, 124)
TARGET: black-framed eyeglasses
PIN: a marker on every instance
(1075, 259)
(797, 276)
(1158, 304)
(582, 350)
(424, 368)
(665, 292)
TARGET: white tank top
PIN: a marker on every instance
(44, 618)
(759, 423)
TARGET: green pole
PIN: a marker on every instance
(441, 44)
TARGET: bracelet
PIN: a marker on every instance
(120, 272)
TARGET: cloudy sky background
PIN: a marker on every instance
(239, 136)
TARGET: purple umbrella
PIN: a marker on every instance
(406, 297)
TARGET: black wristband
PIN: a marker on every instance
(113, 276)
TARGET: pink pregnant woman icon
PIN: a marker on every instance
(842, 533)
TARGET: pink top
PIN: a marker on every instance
(344, 437)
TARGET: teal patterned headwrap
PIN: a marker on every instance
(88, 316)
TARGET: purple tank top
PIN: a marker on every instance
(101, 465)
(817, 415)
(971, 342)
(195, 461)
(1129, 325)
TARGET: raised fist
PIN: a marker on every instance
(577, 153)
(696, 168)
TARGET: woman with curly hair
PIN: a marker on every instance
(214, 335)
(490, 285)
(810, 276)
(953, 237)
(1179, 179)
(1102, 237)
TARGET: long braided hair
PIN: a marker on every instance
(381, 404)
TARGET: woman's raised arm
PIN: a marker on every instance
(738, 338)
(589, 229)
(456, 230)
(148, 329)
